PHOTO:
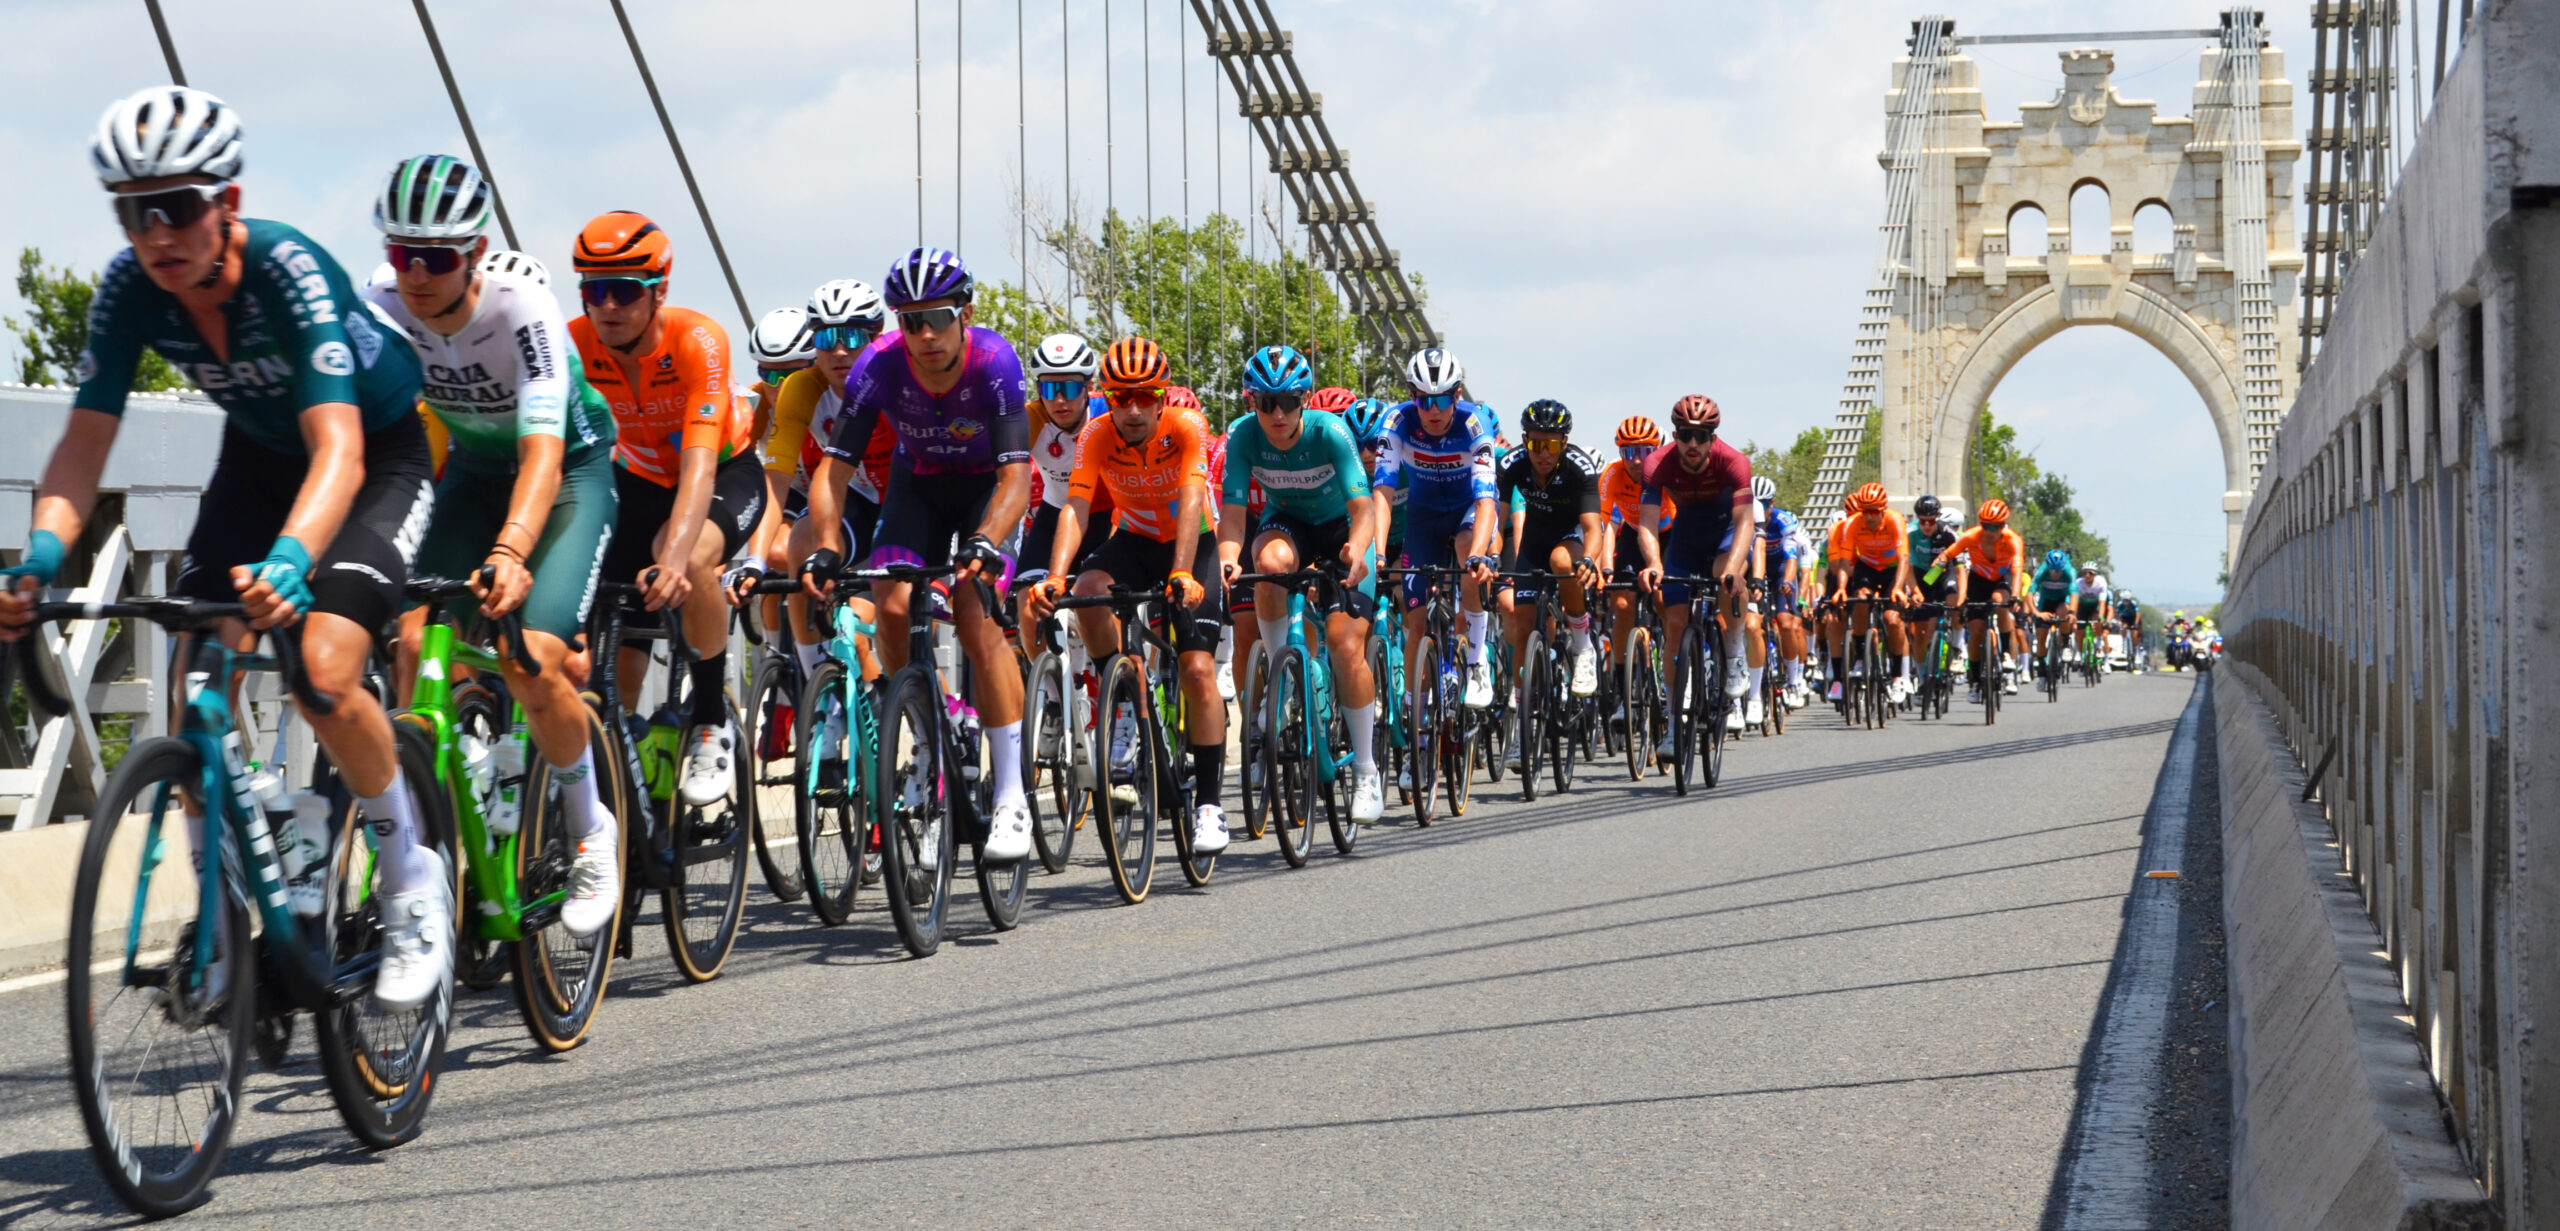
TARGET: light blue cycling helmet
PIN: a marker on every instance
(1367, 419)
(1278, 369)
(2058, 558)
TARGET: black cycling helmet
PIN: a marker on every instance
(1546, 415)
(1926, 506)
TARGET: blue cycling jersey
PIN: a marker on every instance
(1779, 531)
(1441, 474)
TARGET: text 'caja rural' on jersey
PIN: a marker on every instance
(296, 336)
(1314, 480)
(682, 399)
(976, 426)
(508, 373)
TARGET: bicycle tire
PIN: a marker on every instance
(478, 964)
(1197, 865)
(1711, 668)
(1532, 714)
(1685, 685)
(912, 810)
(775, 780)
(1457, 747)
(831, 820)
(1990, 694)
(192, 1161)
(1249, 705)
(1564, 726)
(1289, 773)
(560, 982)
(1128, 829)
(1636, 700)
(1048, 741)
(1338, 817)
(1000, 885)
(380, 1063)
(1388, 754)
(1422, 727)
(705, 897)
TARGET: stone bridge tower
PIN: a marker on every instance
(1977, 295)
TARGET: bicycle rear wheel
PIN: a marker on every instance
(914, 813)
(1387, 752)
(1458, 741)
(1250, 703)
(380, 1063)
(1562, 730)
(831, 821)
(1422, 727)
(158, 1049)
(772, 757)
(1050, 778)
(480, 712)
(560, 979)
(1128, 829)
(1637, 695)
(705, 897)
(1000, 885)
(1532, 712)
(1711, 710)
(1289, 771)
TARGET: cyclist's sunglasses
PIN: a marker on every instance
(1122, 399)
(928, 320)
(440, 259)
(1436, 401)
(843, 337)
(181, 206)
(619, 292)
(1635, 453)
(775, 376)
(1061, 390)
(1279, 403)
(1535, 445)
(1694, 435)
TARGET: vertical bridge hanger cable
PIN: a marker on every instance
(168, 47)
(746, 318)
(479, 157)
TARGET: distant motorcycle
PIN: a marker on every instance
(2204, 650)
(2180, 653)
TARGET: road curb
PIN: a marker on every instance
(37, 867)
(2336, 1122)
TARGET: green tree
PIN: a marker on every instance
(56, 328)
(1792, 468)
(2040, 504)
(1197, 292)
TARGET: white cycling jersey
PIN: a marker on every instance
(2090, 589)
(510, 372)
(1054, 452)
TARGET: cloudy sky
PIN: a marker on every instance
(1613, 203)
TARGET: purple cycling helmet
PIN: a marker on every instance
(927, 273)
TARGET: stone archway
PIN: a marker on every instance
(1966, 310)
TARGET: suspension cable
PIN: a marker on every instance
(917, 24)
(959, 75)
(1022, 154)
(746, 318)
(469, 134)
(1147, 141)
(1182, 66)
(1067, 145)
(168, 47)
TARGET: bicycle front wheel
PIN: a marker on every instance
(160, 1038)
(560, 978)
(1711, 707)
(1636, 698)
(772, 757)
(1251, 697)
(1049, 776)
(380, 1063)
(1288, 758)
(831, 823)
(1422, 726)
(1534, 719)
(705, 897)
(1128, 827)
(914, 813)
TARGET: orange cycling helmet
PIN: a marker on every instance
(1181, 396)
(1695, 408)
(1332, 397)
(622, 244)
(1638, 432)
(1135, 363)
(1995, 512)
(1868, 498)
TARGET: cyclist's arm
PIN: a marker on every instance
(1649, 532)
(1186, 515)
(1231, 515)
(70, 488)
(1012, 441)
(529, 505)
(692, 505)
(1482, 542)
(1367, 525)
(826, 501)
(1070, 535)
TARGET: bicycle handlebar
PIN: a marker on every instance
(49, 692)
(510, 626)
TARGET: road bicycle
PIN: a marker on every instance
(2052, 655)
(1393, 740)
(161, 1027)
(2092, 658)
(1141, 695)
(1990, 658)
(823, 776)
(1697, 689)
(1055, 714)
(1773, 682)
(930, 794)
(1306, 742)
(1937, 683)
(1553, 722)
(1639, 689)
(769, 744)
(1444, 729)
(1864, 699)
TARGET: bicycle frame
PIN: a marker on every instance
(862, 726)
(491, 858)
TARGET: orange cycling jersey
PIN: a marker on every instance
(1876, 546)
(1145, 480)
(1991, 556)
(683, 399)
(1622, 494)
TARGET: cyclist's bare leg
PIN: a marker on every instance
(893, 599)
(552, 712)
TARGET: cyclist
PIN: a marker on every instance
(1780, 561)
(1711, 480)
(2053, 582)
(1868, 559)
(528, 491)
(1555, 530)
(1994, 571)
(1369, 420)
(1156, 465)
(1316, 507)
(2090, 602)
(779, 345)
(1439, 455)
(2129, 614)
(686, 474)
(1063, 403)
(1622, 502)
(846, 321)
(962, 467)
(321, 488)
(1929, 536)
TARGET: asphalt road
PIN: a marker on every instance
(1849, 988)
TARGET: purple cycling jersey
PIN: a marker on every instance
(974, 428)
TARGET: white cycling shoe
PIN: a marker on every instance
(1798, 696)
(1208, 829)
(1733, 720)
(1368, 801)
(595, 888)
(1009, 838)
(417, 941)
(1754, 712)
(1586, 673)
(1479, 693)
(707, 779)
(1737, 677)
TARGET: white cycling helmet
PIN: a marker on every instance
(1062, 355)
(782, 337)
(510, 261)
(1434, 370)
(433, 197)
(383, 275)
(166, 130)
(1764, 489)
(847, 301)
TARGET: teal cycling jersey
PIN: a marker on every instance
(2055, 580)
(1314, 480)
(297, 337)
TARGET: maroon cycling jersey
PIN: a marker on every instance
(1711, 488)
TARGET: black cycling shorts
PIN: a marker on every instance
(362, 573)
(1137, 562)
(861, 518)
(1876, 581)
(922, 515)
(1042, 539)
(1317, 542)
(737, 504)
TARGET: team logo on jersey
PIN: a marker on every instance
(966, 429)
(332, 359)
(666, 363)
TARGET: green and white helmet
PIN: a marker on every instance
(433, 196)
